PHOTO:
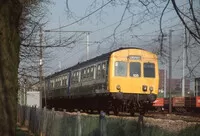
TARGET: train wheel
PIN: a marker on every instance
(116, 111)
(132, 112)
(142, 111)
(107, 112)
(91, 111)
(99, 111)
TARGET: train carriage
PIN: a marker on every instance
(122, 80)
(179, 104)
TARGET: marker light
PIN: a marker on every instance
(151, 89)
(144, 88)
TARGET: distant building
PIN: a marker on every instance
(33, 99)
(30, 94)
(176, 84)
(197, 86)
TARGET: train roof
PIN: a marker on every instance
(95, 59)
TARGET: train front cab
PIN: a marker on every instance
(133, 75)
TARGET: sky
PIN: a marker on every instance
(143, 33)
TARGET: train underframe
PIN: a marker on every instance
(107, 102)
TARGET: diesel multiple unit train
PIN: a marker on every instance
(124, 80)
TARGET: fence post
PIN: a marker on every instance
(140, 124)
(102, 123)
(18, 113)
(42, 123)
(23, 115)
(34, 119)
(31, 120)
(51, 129)
(28, 116)
(79, 124)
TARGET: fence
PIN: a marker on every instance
(44, 122)
(53, 123)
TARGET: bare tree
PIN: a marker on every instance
(32, 19)
(147, 11)
(19, 25)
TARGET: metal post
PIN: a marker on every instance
(183, 80)
(196, 82)
(196, 86)
(87, 46)
(25, 92)
(79, 124)
(45, 94)
(184, 45)
(60, 66)
(22, 95)
(102, 124)
(165, 79)
(40, 67)
(170, 68)
(197, 92)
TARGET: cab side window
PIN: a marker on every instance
(149, 70)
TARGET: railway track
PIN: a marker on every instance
(187, 116)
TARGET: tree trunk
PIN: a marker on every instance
(10, 11)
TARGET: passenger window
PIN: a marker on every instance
(98, 71)
(135, 69)
(149, 70)
(82, 74)
(91, 71)
(75, 77)
(103, 66)
(103, 70)
(88, 72)
(120, 68)
(64, 80)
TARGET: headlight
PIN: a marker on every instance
(144, 88)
